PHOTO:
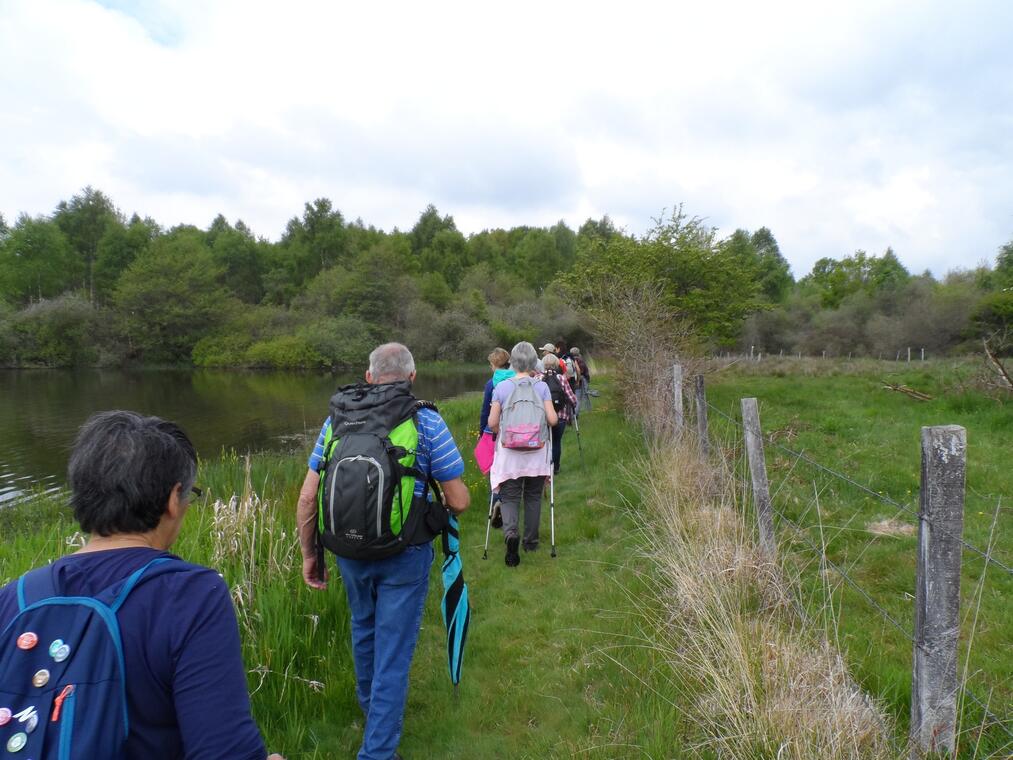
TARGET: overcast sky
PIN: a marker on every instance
(840, 126)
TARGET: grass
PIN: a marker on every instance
(537, 680)
(658, 632)
(838, 414)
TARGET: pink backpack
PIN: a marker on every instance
(523, 425)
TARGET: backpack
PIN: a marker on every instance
(571, 370)
(366, 505)
(559, 399)
(62, 679)
(523, 425)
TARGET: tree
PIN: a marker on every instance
(170, 297)
(774, 270)
(695, 279)
(316, 241)
(84, 221)
(1004, 267)
(240, 258)
(36, 261)
(429, 225)
(118, 247)
(446, 254)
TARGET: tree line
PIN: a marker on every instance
(86, 285)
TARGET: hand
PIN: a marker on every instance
(312, 577)
(275, 756)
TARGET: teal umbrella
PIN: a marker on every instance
(455, 607)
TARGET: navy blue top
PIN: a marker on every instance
(483, 420)
(186, 685)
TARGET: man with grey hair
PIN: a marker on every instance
(386, 573)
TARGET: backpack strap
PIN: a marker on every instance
(131, 582)
(40, 583)
(36, 585)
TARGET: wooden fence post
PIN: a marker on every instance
(701, 416)
(677, 396)
(937, 590)
(758, 473)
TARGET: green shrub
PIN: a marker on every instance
(56, 333)
(283, 352)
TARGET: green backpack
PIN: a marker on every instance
(367, 509)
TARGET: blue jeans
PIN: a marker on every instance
(386, 598)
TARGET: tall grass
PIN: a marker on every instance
(757, 680)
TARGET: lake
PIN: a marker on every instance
(41, 410)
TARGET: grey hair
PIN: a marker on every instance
(575, 351)
(550, 361)
(390, 362)
(123, 469)
(523, 357)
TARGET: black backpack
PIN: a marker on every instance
(559, 399)
(366, 504)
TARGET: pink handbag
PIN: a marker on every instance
(485, 450)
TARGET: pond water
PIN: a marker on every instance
(41, 410)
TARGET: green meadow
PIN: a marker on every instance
(561, 659)
(839, 414)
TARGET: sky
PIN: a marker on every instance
(839, 126)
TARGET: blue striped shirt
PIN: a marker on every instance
(436, 456)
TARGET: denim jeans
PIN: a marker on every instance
(386, 598)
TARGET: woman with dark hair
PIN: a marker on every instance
(132, 479)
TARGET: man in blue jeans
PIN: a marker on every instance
(386, 597)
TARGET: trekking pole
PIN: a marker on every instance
(576, 427)
(488, 525)
(552, 512)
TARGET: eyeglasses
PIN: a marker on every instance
(198, 492)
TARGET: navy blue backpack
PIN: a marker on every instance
(62, 679)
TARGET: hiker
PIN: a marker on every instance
(184, 683)
(385, 572)
(522, 459)
(499, 363)
(567, 364)
(584, 378)
(548, 348)
(563, 401)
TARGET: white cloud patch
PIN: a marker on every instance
(863, 125)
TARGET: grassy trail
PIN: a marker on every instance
(536, 681)
(533, 685)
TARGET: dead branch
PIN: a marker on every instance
(997, 365)
(907, 391)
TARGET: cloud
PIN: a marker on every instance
(856, 126)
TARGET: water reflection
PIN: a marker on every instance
(41, 410)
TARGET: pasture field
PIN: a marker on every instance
(839, 414)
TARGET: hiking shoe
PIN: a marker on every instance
(513, 559)
(497, 517)
(530, 547)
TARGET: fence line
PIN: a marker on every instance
(933, 718)
(988, 555)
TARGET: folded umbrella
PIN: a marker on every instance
(455, 607)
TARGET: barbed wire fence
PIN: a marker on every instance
(926, 614)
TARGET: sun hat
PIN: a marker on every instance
(549, 347)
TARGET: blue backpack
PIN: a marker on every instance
(62, 679)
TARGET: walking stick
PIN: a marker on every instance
(576, 427)
(488, 525)
(552, 512)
